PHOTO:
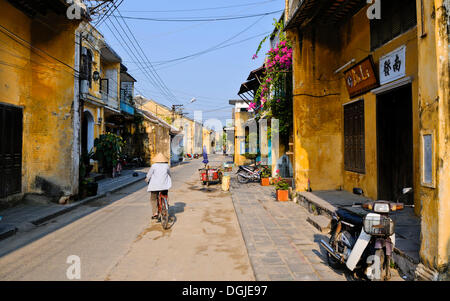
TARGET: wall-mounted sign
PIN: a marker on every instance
(361, 77)
(393, 65)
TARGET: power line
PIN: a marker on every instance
(135, 54)
(152, 69)
(131, 52)
(200, 9)
(15, 37)
(199, 19)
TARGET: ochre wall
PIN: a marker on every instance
(158, 140)
(434, 101)
(240, 119)
(318, 121)
(44, 88)
(319, 96)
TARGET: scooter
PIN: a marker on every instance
(364, 243)
(247, 173)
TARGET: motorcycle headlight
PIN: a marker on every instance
(381, 208)
(375, 224)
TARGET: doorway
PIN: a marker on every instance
(11, 132)
(87, 133)
(395, 143)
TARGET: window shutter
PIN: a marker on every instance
(354, 137)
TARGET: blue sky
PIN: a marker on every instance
(213, 78)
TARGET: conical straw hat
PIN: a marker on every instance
(160, 158)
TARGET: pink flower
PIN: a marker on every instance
(254, 56)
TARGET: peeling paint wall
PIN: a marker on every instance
(319, 96)
(435, 100)
(158, 140)
(44, 88)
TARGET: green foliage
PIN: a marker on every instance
(108, 149)
(282, 185)
(274, 96)
(266, 172)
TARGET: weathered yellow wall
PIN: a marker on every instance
(317, 113)
(158, 140)
(159, 110)
(318, 121)
(435, 118)
(44, 88)
(356, 44)
(240, 119)
(319, 96)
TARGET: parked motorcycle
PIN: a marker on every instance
(364, 243)
(248, 173)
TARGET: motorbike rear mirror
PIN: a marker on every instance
(407, 190)
(358, 191)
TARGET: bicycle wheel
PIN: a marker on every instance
(164, 213)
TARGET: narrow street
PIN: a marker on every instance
(116, 240)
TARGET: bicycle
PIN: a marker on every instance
(163, 210)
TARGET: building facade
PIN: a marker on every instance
(370, 106)
(39, 116)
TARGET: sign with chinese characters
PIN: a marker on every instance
(393, 66)
(361, 77)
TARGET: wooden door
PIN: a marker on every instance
(10, 150)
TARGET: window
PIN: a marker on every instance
(397, 17)
(428, 159)
(104, 86)
(354, 137)
(86, 66)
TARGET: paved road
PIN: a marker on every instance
(116, 240)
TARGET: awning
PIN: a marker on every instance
(257, 74)
(125, 76)
(108, 54)
(329, 12)
(249, 86)
(154, 119)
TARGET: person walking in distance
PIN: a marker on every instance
(159, 180)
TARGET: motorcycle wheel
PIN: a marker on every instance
(333, 262)
(242, 179)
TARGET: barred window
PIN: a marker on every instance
(354, 137)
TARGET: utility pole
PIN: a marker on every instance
(175, 111)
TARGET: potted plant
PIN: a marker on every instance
(282, 188)
(88, 188)
(108, 149)
(265, 175)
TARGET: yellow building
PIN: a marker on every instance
(371, 101)
(100, 86)
(188, 127)
(38, 100)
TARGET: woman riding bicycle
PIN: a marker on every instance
(159, 180)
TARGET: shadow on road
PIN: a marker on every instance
(31, 234)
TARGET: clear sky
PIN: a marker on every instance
(213, 77)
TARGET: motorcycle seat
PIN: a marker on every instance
(252, 168)
(350, 217)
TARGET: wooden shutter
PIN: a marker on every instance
(10, 150)
(354, 137)
(397, 17)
